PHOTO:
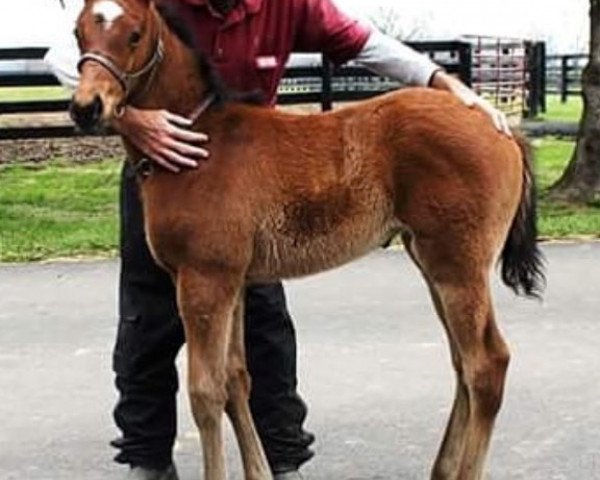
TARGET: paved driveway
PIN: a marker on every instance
(374, 368)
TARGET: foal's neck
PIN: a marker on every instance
(177, 85)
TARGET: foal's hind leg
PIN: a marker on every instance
(238, 389)
(450, 453)
(460, 285)
(484, 359)
(206, 304)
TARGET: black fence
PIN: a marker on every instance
(563, 74)
(320, 83)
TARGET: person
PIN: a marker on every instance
(249, 42)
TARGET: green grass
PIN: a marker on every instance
(58, 210)
(61, 209)
(556, 111)
(20, 94)
(557, 219)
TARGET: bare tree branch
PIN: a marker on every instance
(389, 21)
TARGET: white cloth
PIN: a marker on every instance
(63, 54)
(390, 58)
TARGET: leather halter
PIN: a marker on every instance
(125, 79)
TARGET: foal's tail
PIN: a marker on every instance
(522, 260)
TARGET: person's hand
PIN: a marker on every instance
(163, 136)
(441, 80)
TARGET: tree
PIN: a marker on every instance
(581, 180)
(389, 21)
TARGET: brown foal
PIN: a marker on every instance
(286, 195)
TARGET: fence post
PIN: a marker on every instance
(535, 58)
(564, 78)
(326, 89)
(541, 55)
(531, 78)
(465, 58)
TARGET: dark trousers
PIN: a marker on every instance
(150, 334)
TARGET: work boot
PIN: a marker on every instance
(143, 473)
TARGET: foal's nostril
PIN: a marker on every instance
(87, 116)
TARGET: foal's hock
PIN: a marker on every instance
(285, 195)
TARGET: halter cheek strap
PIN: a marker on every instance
(125, 79)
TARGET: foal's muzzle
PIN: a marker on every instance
(87, 116)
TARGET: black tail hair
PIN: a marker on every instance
(522, 259)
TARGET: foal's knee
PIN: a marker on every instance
(208, 402)
(238, 383)
(486, 383)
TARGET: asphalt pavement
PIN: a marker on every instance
(374, 369)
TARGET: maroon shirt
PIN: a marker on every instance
(251, 45)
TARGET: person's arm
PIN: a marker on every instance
(390, 58)
(162, 136)
(323, 27)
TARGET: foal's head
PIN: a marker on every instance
(121, 49)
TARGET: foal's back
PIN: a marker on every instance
(308, 193)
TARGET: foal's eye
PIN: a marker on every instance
(135, 38)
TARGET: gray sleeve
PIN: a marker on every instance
(390, 58)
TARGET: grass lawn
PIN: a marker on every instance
(63, 210)
(20, 94)
(562, 112)
(58, 210)
(559, 220)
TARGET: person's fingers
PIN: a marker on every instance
(188, 136)
(188, 150)
(500, 120)
(495, 117)
(178, 160)
(469, 99)
(177, 119)
(163, 162)
(505, 125)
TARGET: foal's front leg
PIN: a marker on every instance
(206, 304)
(255, 462)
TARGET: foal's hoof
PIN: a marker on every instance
(141, 473)
(291, 475)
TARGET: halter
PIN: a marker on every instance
(125, 79)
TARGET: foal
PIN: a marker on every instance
(286, 195)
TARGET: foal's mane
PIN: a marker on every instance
(213, 81)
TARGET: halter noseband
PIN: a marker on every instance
(125, 79)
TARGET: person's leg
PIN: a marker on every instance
(149, 336)
(278, 410)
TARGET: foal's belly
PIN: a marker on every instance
(311, 236)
